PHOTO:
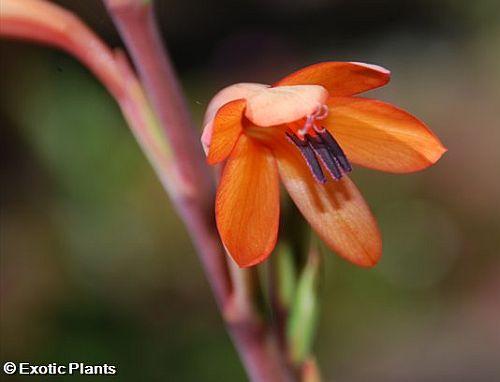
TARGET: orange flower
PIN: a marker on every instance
(307, 129)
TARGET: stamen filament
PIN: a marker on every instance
(320, 113)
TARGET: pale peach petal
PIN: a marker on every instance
(206, 136)
(247, 204)
(284, 104)
(378, 135)
(237, 91)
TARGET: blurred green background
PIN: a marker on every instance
(96, 267)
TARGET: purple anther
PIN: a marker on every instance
(326, 156)
(326, 148)
(308, 155)
(335, 149)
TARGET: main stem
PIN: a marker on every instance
(193, 196)
(194, 199)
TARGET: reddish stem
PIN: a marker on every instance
(257, 348)
(194, 198)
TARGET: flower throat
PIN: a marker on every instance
(320, 144)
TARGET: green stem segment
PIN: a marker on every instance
(304, 311)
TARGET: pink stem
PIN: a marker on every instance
(257, 348)
(194, 198)
(136, 23)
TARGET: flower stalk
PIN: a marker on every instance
(236, 294)
(193, 194)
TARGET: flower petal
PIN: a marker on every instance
(378, 135)
(335, 210)
(230, 93)
(227, 128)
(340, 78)
(274, 106)
(247, 203)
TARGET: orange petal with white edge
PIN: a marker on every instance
(237, 91)
(340, 78)
(227, 127)
(335, 210)
(378, 135)
(247, 203)
(274, 106)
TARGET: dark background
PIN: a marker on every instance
(96, 267)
